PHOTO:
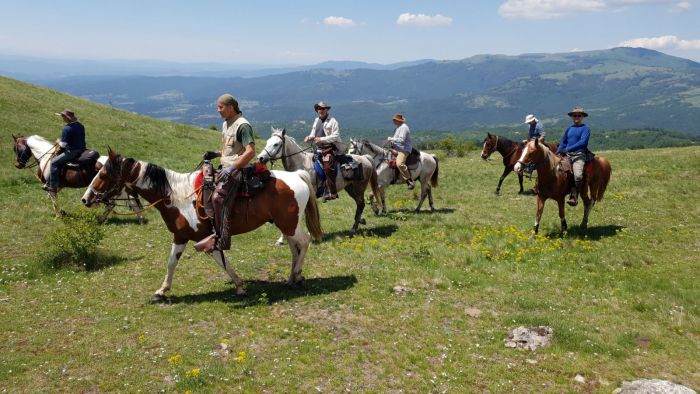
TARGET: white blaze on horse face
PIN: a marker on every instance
(518, 166)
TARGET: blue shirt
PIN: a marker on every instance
(73, 136)
(536, 131)
(575, 139)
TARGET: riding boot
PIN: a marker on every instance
(573, 197)
(224, 198)
(331, 190)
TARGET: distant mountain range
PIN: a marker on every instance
(620, 88)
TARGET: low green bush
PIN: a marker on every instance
(73, 242)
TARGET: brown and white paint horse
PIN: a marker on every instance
(554, 183)
(42, 151)
(510, 150)
(286, 197)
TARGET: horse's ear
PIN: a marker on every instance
(13, 137)
(537, 141)
(112, 154)
(540, 140)
(488, 135)
(284, 131)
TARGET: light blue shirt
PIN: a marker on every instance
(401, 141)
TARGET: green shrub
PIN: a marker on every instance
(73, 242)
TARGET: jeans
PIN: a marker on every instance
(59, 161)
(578, 162)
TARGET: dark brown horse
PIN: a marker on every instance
(556, 184)
(39, 151)
(285, 198)
(510, 150)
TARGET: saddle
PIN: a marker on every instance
(86, 161)
(349, 168)
(255, 176)
(566, 167)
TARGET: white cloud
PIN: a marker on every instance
(421, 20)
(338, 21)
(662, 42)
(552, 9)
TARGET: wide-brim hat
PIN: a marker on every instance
(399, 118)
(321, 104)
(67, 114)
(578, 110)
(530, 118)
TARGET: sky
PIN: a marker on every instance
(302, 32)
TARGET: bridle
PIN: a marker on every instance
(105, 197)
(282, 150)
(26, 153)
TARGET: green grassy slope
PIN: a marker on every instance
(621, 297)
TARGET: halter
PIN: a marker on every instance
(283, 149)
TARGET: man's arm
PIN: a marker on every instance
(335, 133)
(583, 141)
(245, 157)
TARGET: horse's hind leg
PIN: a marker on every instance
(298, 244)
(506, 171)
(221, 259)
(588, 204)
(424, 188)
(562, 215)
(358, 196)
(175, 254)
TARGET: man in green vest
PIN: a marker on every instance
(238, 148)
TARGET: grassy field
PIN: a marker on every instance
(622, 296)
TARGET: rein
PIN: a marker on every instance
(37, 161)
(283, 149)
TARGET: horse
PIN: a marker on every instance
(555, 184)
(280, 146)
(511, 151)
(426, 172)
(284, 199)
(42, 151)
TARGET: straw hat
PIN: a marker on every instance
(399, 118)
(578, 110)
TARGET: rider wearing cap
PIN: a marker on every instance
(325, 132)
(574, 143)
(238, 148)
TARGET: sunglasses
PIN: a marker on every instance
(577, 116)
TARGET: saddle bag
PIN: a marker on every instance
(351, 171)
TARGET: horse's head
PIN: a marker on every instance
(110, 180)
(490, 145)
(274, 147)
(535, 152)
(22, 151)
(355, 147)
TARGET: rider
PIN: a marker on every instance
(401, 147)
(72, 144)
(536, 128)
(325, 132)
(238, 148)
(574, 143)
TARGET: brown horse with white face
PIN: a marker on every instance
(555, 183)
(285, 198)
(510, 150)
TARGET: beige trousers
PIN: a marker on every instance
(401, 164)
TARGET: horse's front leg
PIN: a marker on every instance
(280, 240)
(175, 254)
(224, 263)
(373, 203)
(382, 193)
(108, 209)
(562, 215)
(588, 204)
(538, 216)
(520, 180)
(506, 171)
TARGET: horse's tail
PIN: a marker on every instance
(311, 214)
(600, 179)
(434, 177)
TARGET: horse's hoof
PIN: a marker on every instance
(298, 283)
(158, 298)
(240, 293)
(363, 221)
(278, 243)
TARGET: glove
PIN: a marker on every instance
(210, 154)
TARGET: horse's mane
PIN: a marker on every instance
(157, 177)
(550, 157)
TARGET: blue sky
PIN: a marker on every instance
(305, 32)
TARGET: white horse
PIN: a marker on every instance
(425, 171)
(42, 151)
(280, 146)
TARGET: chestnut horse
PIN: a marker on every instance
(285, 198)
(554, 183)
(510, 150)
(42, 151)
